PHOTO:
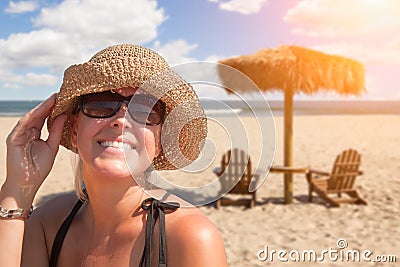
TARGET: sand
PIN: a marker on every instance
(299, 226)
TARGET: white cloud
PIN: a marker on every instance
(367, 54)
(245, 7)
(72, 31)
(11, 86)
(42, 48)
(21, 7)
(175, 52)
(330, 18)
(366, 30)
(21, 81)
(104, 21)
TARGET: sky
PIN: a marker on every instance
(39, 39)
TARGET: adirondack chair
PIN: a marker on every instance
(236, 167)
(339, 181)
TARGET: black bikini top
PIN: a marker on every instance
(156, 209)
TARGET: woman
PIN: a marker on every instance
(112, 224)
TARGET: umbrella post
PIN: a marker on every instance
(288, 144)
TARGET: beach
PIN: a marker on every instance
(251, 234)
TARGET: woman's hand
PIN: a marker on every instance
(29, 158)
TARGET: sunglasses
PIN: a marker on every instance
(143, 108)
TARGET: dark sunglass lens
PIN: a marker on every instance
(100, 109)
(146, 109)
(143, 114)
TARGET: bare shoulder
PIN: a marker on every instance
(190, 217)
(55, 209)
(42, 227)
(196, 240)
(51, 214)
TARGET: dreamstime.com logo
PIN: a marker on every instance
(338, 254)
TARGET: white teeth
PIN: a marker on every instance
(115, 144)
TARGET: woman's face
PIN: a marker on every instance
(104, 144)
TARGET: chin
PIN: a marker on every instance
(113, 168)
(137, 165)
(116, 174)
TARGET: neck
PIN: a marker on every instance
(113, 203)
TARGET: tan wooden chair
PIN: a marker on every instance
(236, 168)
(340, 180)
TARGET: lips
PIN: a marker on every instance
(117, 145)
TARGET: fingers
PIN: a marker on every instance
(55, 133)
(38, 115)
(33, 119)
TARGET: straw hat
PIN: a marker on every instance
(185, 127)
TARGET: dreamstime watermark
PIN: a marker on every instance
(340, 253)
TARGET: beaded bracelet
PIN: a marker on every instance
(15, 213)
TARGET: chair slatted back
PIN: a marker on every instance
(344, 171)
(236, 166)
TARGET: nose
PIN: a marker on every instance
(119, 119)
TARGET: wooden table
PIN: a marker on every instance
(288, 170)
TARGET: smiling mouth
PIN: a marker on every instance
(116, 144)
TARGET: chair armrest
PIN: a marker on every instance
(312, 171)
(313, 174)
(217, 171)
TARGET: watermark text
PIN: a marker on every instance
(338, 254)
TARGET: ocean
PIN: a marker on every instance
(301, 107)
(16, 108)
(307, 107)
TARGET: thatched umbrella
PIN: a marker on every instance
(294, 69)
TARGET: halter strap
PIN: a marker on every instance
(156, 209)
(62, 232)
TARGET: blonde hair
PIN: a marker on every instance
(79, 183)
